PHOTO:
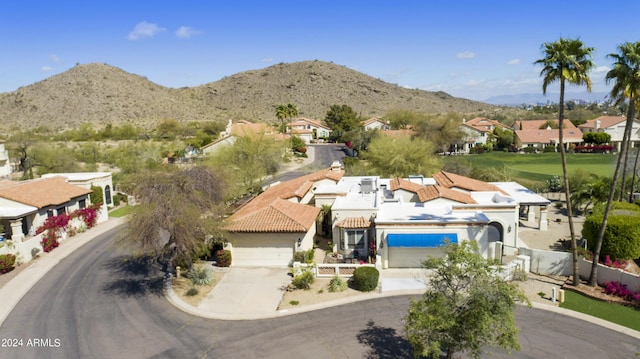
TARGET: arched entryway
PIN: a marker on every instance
(496, 240)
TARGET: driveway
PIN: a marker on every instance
(247, 290)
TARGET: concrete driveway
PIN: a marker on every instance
(247, 290)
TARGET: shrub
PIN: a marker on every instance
(620, 238)
(365, 279)
(294, 302)
(304, 256)
(530, 149)
(304, 279)
(97, 195)
(549, 149)
(337, 284)
(49, 242)
(7, 262)
(201, 276)
(224, 258)
(191, 292)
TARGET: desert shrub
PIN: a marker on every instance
(224, 258)
(620, 237)
(201, 275)
(303, 279)
(35, 252)
(337, 284)
(304, 256)
(7, 262)
(191, 292)
(365, 279)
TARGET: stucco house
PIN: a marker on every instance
(398, 221)
(5, 164)
(281, 220)
(308, 129)
(614, 126)
(478, 131)
(533, 133)
(87, 180)
(375, 123)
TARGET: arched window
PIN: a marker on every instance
(107, 194)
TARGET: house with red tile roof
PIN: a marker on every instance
(478, 132)
(375, 123)
(308, 129)
(278, 222)
(614, 126)
(25, 205)
(539, 134)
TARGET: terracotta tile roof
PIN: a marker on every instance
(280, 216)
(428, 193)
(483, 124)
(43, 192)
(548, 136)
(605, 121)
(270, 206)
(354, 222)
(302, 120)
(452, 180)
(525, 125)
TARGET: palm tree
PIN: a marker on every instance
(626, 77)
(281, 114)
(566, 60)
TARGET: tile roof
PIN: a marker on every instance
(302, 120)
(354, 222)
(483, 124)
(525, 125)
(605, 121)
(548, 136)
(452, 180)
(279, 216)
(259, 213)
(428, 193)
(41, 192)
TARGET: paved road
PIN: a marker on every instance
(98, 303)
(325, 154)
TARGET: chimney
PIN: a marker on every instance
(598, 124)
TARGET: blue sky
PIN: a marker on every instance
(469, 49)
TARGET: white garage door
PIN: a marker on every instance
(402, 257)
(249, 252)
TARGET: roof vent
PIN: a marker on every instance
(367, 185)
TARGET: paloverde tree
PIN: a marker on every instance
(442, 130)
(566, 61)
(179, 213)
(625, 75)
(401, 157)
(465, 308)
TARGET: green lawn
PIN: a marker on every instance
(121, 212)
(541, 166)
(615, 313)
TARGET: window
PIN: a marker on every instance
(49, 213)
(356, 239)
(61, 210)
(107, 194)
(82, 203)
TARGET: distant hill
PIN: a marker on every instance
(539, 98)
(100, 94)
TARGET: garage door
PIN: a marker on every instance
(409, 250)
(262, 253)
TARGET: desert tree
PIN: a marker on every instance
(625, 76)
(400, 157)
(566, 61)
(466, 306)
(443, 130)
(179, 214)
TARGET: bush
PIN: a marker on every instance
(530, 149)
(201, 276)
(337, 284)
(303, 279)
(304, 256)
(549, 149)
(191, 292)
(224, 258)
(365, 279)
(620, 237)
(49, 242)
(7, 262)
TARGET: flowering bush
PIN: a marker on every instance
(618, 263)
(620, 290)
(7, 262)
(49, 242)
(53, 226)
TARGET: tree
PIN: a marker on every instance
(626, 77)
(341, 119)
(179, 213)
(283, 112)
(467, 306)
(401, 157)
(566, 61)
(442, 130)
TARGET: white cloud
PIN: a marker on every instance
(54, 58)
(143, 30)
(185, 32)
(513, 62)
(46, 68)
(466, 55)
(267, 59)
(600, 70)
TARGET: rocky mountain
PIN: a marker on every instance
(100, 94)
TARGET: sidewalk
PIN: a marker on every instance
(12, 291)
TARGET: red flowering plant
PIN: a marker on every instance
(620, 290)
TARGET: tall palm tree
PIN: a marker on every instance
(625, 75)
(282, 114)
(566, 61)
